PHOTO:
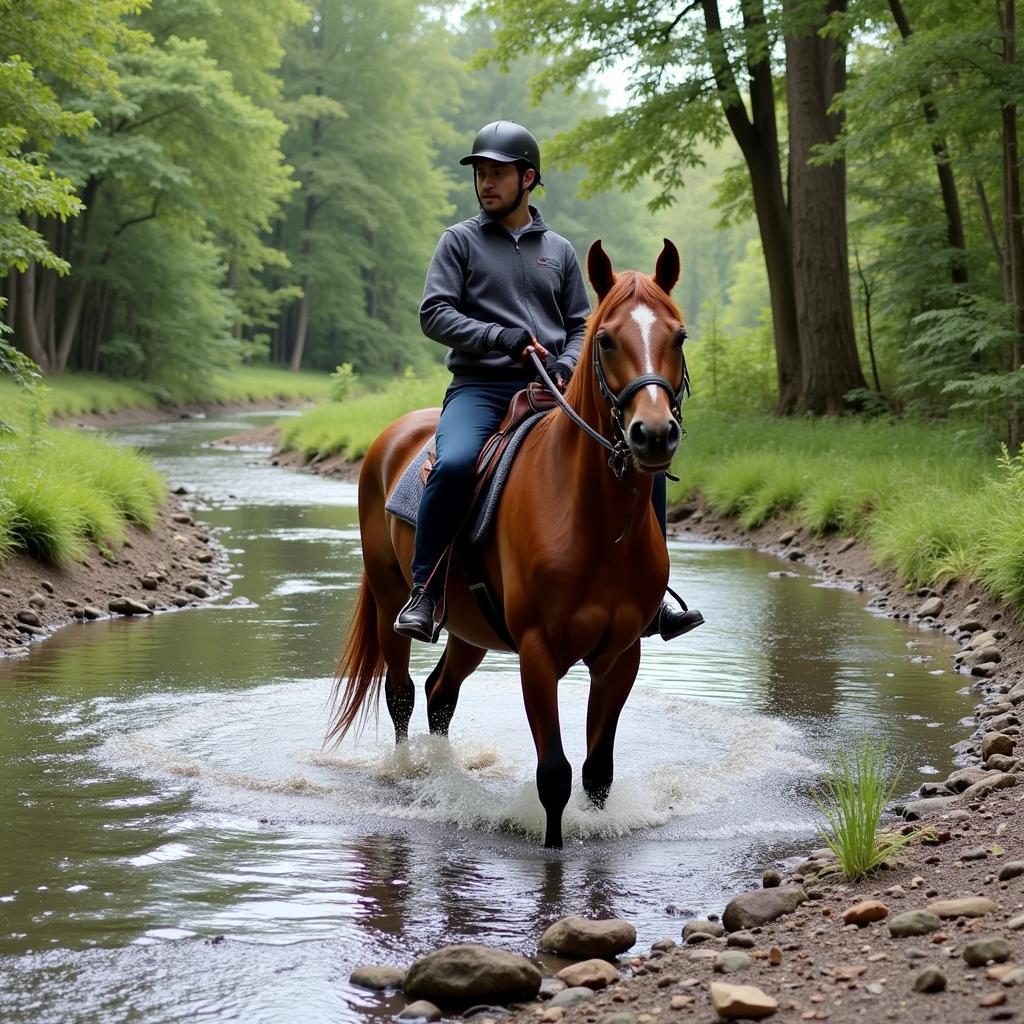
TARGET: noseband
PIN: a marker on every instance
(620, 454)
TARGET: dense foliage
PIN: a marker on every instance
(187, 185)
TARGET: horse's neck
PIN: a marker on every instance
(585, 462)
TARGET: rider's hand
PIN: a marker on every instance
(513, 342)
(560, 372)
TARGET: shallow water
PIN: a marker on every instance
(165, 783)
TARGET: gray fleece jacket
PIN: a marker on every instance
(481, 280)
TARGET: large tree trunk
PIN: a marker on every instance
(73, 313)
(815, 74)
(947, 180)
(757, 137)
(28, 332)
(1013, 246)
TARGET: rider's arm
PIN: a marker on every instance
(440, 318)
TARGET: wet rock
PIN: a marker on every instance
(980, 640)
(996, 743)
(550, 987)
(930, 979)
(796, 554)
(741, 940)
(37, 601)
(930, 608)
(128, 606)
(378, 976)
(918, 809)
(1000, 763)
(28, 630)
(731, 960)
(741, 1001)
(846, 545)
(967, 906)
(913, 922)
(28, 617)
(181, 517)
(421, 1009)
(180, 601)
(994, 781)
(960, 780)
(197, 589)
(752, 909)
(1011, 869)
(663, 945)
(702, 927)
(865, 912)
(585, 938)
(594, 974)
(572, 996)
(787, 536)
(970, 626)
(927, 790)
(204, 557)
(771, 879)
(982, 951)
(471, 971)
(91, 612)
(150, 583)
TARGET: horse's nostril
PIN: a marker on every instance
(673, 437)
(638, 435)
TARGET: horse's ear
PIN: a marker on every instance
(599, 270)
(666, 273)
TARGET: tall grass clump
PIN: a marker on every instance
(61, 491)
(349, 427)
(1001, 561)
(855, 794)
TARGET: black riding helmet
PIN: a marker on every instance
(506, 142)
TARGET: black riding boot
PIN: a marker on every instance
(672, 622)
(416, 619)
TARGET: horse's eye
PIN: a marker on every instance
(680, 337)
(604, 339)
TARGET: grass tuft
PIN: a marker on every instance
(855, 796)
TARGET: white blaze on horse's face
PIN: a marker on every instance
(645, 318)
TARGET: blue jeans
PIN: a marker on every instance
(472, 411)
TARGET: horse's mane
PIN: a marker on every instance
(630, 286)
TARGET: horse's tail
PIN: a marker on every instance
(362, 663)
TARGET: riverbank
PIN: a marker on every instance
(176, 563)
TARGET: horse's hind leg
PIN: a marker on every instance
(458, 662)
(608, 693)
(399, 690)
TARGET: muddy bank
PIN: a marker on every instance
(166, 413)
(178, 563)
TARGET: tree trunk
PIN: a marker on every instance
(1014, 234)
(73, 314)
(757, 137)
(815, 75)
(947, 180)
(28, 333)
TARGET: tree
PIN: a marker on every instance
(693, 78)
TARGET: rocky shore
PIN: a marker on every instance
(178, 563)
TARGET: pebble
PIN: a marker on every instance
(731, 960)
(420, 1010)
(930, 979)
(865, 912)
(981, 951)
(28, 617)
(550, 987)
(619, 1017)
(593, 974)
(1011, 869)
(771, 879)
(378, 976)
(741, 940)
(571, 996)
(702, 927)
(993, 999)
(741, 1001)
(968, 906)
(913, 922)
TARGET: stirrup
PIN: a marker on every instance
(418, 630)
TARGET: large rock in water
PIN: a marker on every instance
(752, 909)
(582, 937)
(469, 971)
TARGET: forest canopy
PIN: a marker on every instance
(188, 185)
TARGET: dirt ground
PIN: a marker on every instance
(813, 964)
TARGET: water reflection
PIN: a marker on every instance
(165, 783)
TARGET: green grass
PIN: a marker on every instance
(69, 490)
(73, 394)
(854, 799)
(349, 427)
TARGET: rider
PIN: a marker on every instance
(497, 282)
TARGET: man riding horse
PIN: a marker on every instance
(500, 286)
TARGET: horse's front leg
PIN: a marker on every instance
(540, 695)
(608, 693)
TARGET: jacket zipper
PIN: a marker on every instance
(522, 280)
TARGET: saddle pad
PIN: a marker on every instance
(487, 507)
(404, 500)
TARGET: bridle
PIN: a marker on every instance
(620, 454)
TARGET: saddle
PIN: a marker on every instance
(526, 409)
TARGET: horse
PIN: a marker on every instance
(576, 558)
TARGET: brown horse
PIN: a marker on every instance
(576, 557)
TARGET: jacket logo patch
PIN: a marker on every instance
(549, 261)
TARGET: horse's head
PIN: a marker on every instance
(636, 338)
